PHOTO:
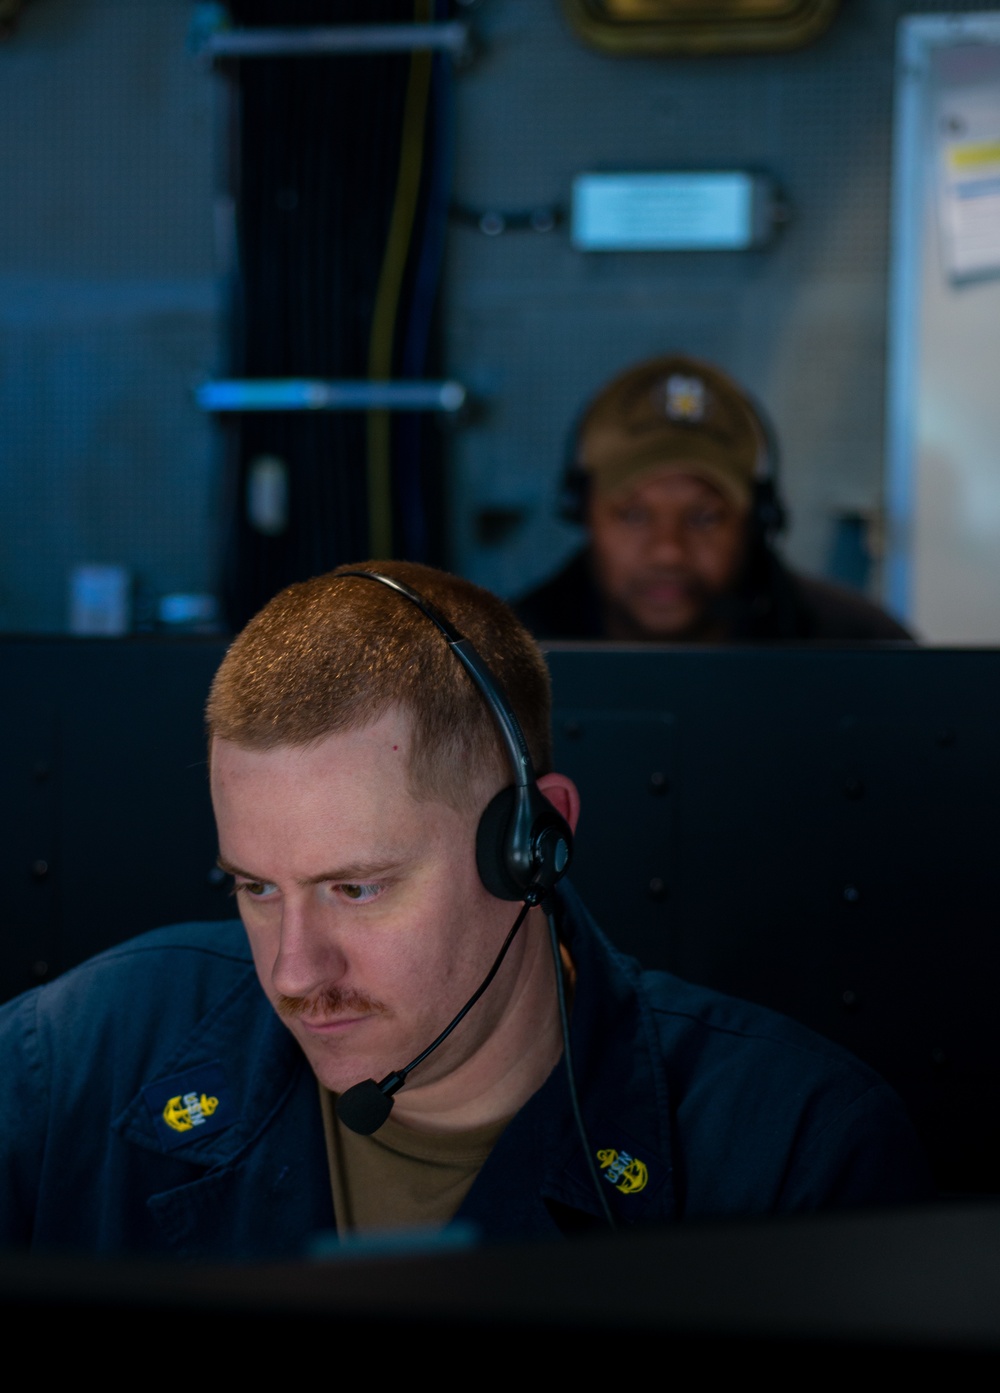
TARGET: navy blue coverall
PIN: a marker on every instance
(699, 1105)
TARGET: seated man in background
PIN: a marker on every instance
(673, 475)
(224, 1090)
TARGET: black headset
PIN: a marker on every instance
(523, 846)
(768, 515)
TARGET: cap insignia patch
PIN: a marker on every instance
(684, 398)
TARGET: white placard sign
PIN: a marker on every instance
(969, 164)
(663, 212)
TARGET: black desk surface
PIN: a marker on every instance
(808, 1291)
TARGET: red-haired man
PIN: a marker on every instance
(180, 1093)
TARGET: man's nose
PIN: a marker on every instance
(309, 955)
(666, 539)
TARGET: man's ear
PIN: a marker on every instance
(564, 796)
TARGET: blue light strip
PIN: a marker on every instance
(451, 37)
(305, 394)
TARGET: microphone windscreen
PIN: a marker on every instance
(364, 1107)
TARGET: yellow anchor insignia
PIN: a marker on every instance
(685, 398)
(623, 1171)
(183, 1113)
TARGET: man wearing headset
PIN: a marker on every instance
(672, 472)
(382, 1039)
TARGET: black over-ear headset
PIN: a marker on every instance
(768, 514)
(523, 846)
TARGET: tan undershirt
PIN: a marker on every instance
(401, 1178)
(398, 1177)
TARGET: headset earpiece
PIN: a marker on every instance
(522, 843)
(574, 489)
(769, 514)
(574, 481)
(768, 509)
(491, 840)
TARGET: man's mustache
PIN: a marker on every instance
(330, 1001)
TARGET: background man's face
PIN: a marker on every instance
(368, 923)
(664, 549)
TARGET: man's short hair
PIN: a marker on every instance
(336, 653)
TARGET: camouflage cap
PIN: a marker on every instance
(677, 413)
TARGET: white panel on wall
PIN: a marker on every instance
(943, 436)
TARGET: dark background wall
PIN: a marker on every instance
(110, 310)
(108, 303)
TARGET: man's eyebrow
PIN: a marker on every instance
(352, 874)
(229, 869)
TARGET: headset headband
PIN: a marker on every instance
(467, 655)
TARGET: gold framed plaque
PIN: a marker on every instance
(699, 26)
(9, 12)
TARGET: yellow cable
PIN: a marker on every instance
(389, 287)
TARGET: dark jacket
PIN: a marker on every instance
(729, 1109)
(773, 605)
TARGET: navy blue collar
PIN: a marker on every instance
(536, 1178)
(213, 1099)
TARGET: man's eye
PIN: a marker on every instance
(256, 889)
(359, 893)
(709, 517)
